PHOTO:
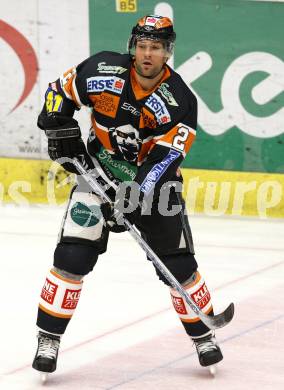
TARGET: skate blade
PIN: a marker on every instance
(213, 369)
(43, 377)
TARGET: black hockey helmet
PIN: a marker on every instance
(156, 28)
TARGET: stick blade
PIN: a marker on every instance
(224, 318)
(220, 320)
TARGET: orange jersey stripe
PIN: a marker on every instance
(177, 139)
(73, 93)
(145, 149)
(189, 142)
(69, 87)
(102, 135)
(147, 119)
(67, 80)
(168, 138)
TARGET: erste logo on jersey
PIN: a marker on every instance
(155, 103)
(100, 84)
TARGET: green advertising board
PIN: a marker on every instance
(230, 52)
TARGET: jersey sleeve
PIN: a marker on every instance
(79, 83)
(66, 94)
(68, 86)
(55, 102)
(61, 97)
(71, 84)
(171, 145)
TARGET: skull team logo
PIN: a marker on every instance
(126, 142)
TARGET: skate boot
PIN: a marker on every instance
(208, 350)
(47, 351)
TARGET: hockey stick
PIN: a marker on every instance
(213, 322)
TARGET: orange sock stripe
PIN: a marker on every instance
(196, 319)
(52, 313)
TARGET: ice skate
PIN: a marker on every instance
(209, 352)
(45, 359)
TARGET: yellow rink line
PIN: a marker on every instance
(206, 191)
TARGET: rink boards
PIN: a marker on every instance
(236, 78)
(210, 192)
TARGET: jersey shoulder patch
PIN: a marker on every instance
(106, 63)
(175, 93)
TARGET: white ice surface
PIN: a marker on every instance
(124, 308)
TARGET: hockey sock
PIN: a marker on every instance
(58, 301)
(198, 291)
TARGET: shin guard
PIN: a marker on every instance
(198, 291)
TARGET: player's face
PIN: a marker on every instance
(150, 57)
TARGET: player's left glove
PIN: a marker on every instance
(65, 142)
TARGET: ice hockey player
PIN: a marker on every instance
(144, 121)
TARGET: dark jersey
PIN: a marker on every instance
(136, 135)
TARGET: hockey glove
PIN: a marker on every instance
(65, 142)
(113, 212)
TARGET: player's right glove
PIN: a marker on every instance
(113, 212)
(108, 214)
(64, 141)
